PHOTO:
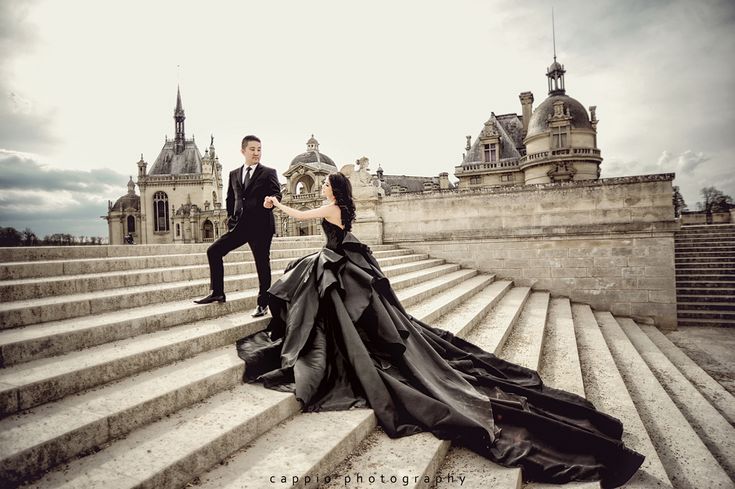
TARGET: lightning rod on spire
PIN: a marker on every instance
(553, 31)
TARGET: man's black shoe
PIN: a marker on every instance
(211, 298)
(260, 311)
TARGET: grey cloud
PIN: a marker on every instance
(23, 125)
(55, 201)
(684, 163)
(22, 172)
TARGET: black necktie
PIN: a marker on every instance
(246, 180)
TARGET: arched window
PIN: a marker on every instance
(131, 224)
(160, 212)
(208, 230)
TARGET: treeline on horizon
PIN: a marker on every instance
(9, 236)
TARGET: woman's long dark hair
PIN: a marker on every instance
(342, 190)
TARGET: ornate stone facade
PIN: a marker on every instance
(180, 197)
(302, 190)
(556, 142)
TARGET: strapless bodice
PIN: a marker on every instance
(335, 235)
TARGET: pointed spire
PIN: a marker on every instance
(179, 117)
(179, 105)
(555, 72)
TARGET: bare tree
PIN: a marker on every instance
(714, 201)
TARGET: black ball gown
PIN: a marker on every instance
(339, 338)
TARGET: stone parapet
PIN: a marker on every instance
(608, 243)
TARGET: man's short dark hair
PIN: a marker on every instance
(247, 139)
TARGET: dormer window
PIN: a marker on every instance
(491, 152)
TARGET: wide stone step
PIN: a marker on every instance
(687, 459)
(446, 301)
(42, 269)
(704, 244)
(685, 240)
(34, 311)
(711, 291)
(169, 453)
(523, 347)
(698, 261)
(414, 294)
(706, 236)
(706, 314)
(39, 253)
(717, 266)
(55, 337)
(706, 306)
(34, 288)
(707, 323)
(419, 456)
(714, 254)
(324, 439)
(33, 442)
(52, 268)
(137, 400)
(703, 283)
(314, 467)
(707, 228)
(560, 368)
(715, 431)
(605, 388)
(37, 382)
(706, 273)
(29, 384)
(717, 395)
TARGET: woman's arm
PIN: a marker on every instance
(329, 210)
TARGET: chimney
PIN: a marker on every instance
(527, 107)
(443, 181)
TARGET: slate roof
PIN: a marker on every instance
(539, 120)
(170, 163)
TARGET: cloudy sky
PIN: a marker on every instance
(87, 86)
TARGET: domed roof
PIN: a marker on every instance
(127, 201)
(313, 157)
(555, 66)
(539, 121)
(312, 154)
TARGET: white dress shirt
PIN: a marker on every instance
(245, 168)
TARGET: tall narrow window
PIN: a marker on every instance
(160, 212)
(487, 152)
(493, 152)
(559, 138)
(131, 224)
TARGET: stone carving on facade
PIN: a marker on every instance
(489, 131)
(561, 172)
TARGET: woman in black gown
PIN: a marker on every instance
(339, 338)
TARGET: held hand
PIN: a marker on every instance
(271, 202)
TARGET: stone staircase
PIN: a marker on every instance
(112, 378)
(705, 275)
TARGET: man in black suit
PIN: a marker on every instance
(249, 220)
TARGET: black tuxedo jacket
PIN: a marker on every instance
(245, 205)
